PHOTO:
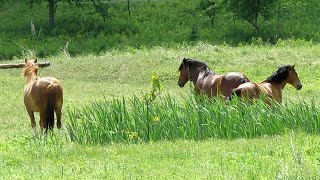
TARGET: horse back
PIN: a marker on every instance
(231, 80)
(37, 92)
(249, 89)
(209, 85)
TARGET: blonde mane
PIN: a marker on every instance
(30, 70)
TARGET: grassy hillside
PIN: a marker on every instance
(151, 23)
(124, 73)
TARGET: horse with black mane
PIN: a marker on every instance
(207, 82)
(44, 95)
(272, 87)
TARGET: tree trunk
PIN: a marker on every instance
(51, 14)
(254, 23)
(278, 20)
(129, 7)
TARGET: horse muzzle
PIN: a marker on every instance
(181, 84)
(299, 86)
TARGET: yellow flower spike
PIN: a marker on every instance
(133, 136)
(156, 119)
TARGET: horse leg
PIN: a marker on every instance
(33, 123)
(58, 114)
(43, 122)
(58, 107)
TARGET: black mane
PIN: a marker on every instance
(194, 62)
(280, 75)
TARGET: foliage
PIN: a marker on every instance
(250, 10)
(2, 2)
(155, 90)
(152, 23)
(149, 98)
(120, 121)
(100, 7)
(210, 8)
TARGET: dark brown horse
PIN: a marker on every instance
(272, 87)
(206, 81)
(44, 95)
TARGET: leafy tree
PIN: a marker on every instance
(250, 10)
(209, 7)
(2, 2)
(100, 6)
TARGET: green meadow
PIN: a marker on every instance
(124, 115)
(286, 150)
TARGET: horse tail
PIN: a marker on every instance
(50, 108)
(235, 92)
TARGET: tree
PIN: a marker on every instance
(2, 2)
(100, 7)
(52, 11)
(209, 7)
(250, 10)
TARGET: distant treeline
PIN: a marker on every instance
(88, 28)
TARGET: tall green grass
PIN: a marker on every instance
(121, 120)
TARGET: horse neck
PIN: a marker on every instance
(31, 76)
(279, 86)
(194, 77)
(199, 73)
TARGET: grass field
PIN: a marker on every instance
(123, 73)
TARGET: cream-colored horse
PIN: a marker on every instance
(43, 95)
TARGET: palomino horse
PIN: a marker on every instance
(206, 81)
(272, 87)
(44, 95)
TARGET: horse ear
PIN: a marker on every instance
(25, 60)
(293, 66)
(36, 60)
(184, 60)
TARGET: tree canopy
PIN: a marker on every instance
(250, 10)
(246, 10)
(100, 6)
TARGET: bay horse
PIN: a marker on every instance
(43, 95)
(207, 82)
(271, 88)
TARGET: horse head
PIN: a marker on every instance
(30, 66)
(184, 72)
(189, 70)
(285, 74)
(293, 78)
